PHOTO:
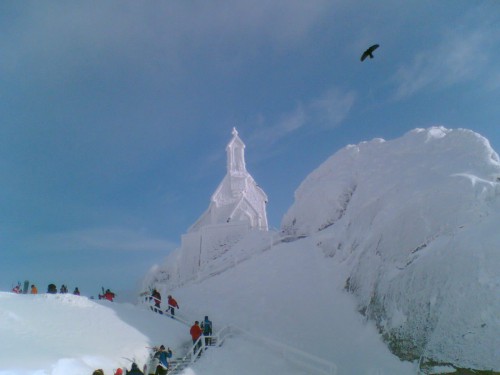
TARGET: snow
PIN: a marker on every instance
(271, 297)
(415, 223)
(66, 334)
(405, 231)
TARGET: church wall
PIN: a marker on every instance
(218, 239)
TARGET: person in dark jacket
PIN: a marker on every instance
(206, 327)
(156, 297)
(52, 289)
(134, 370)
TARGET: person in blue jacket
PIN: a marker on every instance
(162, 356)
(206, 326)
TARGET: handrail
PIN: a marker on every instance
(199, 346)
(296, 355)
(165, 312)
(301, 358)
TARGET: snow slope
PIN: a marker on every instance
(292, 295)
(65, 334)
(273, 296)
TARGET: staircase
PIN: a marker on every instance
(191, 352)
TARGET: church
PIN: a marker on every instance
(238, 199)
(237, 207)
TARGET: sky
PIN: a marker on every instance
(114, 116)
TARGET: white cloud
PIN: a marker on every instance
(332, 107)
(324, 112)
(105, 239)
(54, 38)
(459, 57)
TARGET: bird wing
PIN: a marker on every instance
(369, 51)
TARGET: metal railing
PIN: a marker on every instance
(297, 356)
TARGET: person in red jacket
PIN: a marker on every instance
(109, 295)
(196, 332)
(172, 303)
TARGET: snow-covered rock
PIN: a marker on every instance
(415, 222)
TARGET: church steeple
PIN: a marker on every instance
(238, 200)
(235, 155)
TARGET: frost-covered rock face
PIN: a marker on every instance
(416, 222)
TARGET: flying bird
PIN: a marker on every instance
(369, 52)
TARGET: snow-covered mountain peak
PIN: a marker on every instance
(414, 220)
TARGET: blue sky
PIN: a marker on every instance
(114, 115)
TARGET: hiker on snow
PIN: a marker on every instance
(109, 295)
(156, 296)
(52, 289)
(76, 292)
(196, 332)
(172, 303)
(34, 290)
(17, 289)
(134, 370)
(162, 356)
(206, 326)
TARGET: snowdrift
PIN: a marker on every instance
(65, 334)
(415, 222)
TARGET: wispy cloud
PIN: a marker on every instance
(459, 57)
(54, 38)
(100, 239)
(324, 112)
(329, 110)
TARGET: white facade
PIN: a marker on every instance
(237, 207)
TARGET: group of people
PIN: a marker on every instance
(18, 290)
(196, 332)
(204, 329)
(134, 370)
(171, 303)
(52, 289)
(163, 355)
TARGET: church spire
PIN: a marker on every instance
(235, 155)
